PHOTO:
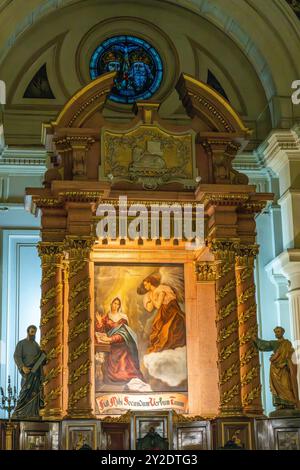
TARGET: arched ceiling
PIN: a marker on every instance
(250, 47)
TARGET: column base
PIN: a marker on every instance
(53, 414)
(249, 411)
(80, 414)
(228, 412)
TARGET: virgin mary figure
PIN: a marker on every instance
(122, 361)
(168, 328)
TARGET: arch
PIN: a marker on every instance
(208, 9)
(202, 101)
(83, 104)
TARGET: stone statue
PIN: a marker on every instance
(29, 359)
(283, 372)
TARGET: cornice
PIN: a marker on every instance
(23, 161)
(280, 148)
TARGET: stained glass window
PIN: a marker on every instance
(138, 65)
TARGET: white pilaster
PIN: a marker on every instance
(281, 153)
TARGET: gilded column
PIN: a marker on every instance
(79, 328)
(249, 358)
(52, 327)
(227, 327)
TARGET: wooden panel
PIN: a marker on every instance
(115, 436)
(192, 436)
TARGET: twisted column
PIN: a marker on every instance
(246, 305)
(79, 328)
(227, 327)
(52, 327)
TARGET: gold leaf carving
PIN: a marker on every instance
(249, 376)
(52, 333)
(224, 312)
(52, 313)
(83, 305)
(228, 350)
(51, 294)
(230, 394)
(250, 397)
(226, 332)
(247, 314)
(75, 267)
(54, 372)
(229, 373)
(223, 291)
(78, 394)
(250, 292)
(246, 337)
(248, 356)
(81, 349)
(243, 275)
(81, 370)
(80, 328)
(54, 352)
(48, 273)
(53, 394)
(81, 286)
(206, 271)
(124, 418)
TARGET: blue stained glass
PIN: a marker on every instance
(138, 65)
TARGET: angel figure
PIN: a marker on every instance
(168, 328)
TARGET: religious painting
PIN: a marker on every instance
(80, 436)
(236, 435)
(140, 338)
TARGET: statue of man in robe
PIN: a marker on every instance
(29, 359)
(283, 371)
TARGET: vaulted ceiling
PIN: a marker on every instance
(250, 46)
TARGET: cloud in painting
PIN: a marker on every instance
(169, 366)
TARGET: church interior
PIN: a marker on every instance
(149, 225)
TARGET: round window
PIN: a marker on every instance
(138, 66)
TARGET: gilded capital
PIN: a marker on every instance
(206, 271)
(78, 247)
(245, 255)
(224, 250)
(50, 252)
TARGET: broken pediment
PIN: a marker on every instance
(146, 151)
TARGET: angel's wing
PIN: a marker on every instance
(173, 277)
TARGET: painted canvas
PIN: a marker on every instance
(140, 335)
